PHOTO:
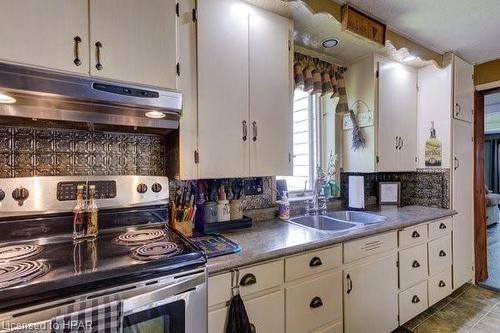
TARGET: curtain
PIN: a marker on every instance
(316, 76)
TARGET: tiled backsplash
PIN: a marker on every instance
(264, 200)
(426, 187)
(28, 152)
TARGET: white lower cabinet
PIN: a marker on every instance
(439, 254)
(412, 266)
(217, 320)
(412, 302)
(370, 296)
(265, 313)
(439, 286)
(314, 303)
(335, 328)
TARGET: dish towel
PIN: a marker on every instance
(104, 318)
(237, 321)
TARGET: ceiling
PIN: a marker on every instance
(468, 27)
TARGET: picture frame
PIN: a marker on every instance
(389, 193)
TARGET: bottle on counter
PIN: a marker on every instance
(223, 207)
(79, 227)
(284, 207)
(92, 214)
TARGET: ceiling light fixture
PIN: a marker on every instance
(6, 99)
(409, 58)
(329, 43)
(155, 114)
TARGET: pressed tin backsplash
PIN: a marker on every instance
(26, 152)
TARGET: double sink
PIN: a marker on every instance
(338, 221)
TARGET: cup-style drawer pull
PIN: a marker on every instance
(316, 302)
(315, 262)
(415, 264)
(442, 226)
(441, 284)
(415, 299)
(415, 234)
(442, 253)
(248, 280)
(252, 328)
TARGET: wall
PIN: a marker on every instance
(26, 152)
(423, 188)
(487, 72)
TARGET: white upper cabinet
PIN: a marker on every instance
(397, 126)
(223, 123)
(134, 41)
(463, 90)
(244, 91)
(270, 94)
(50, 34)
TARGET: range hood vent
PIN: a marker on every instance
(52, 96)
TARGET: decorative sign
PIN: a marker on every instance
(363, 25)
(389, 193)
(364, 119)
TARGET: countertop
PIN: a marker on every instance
(271, 239)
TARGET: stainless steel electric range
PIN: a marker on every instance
(156, 274)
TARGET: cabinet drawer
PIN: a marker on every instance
(412, 302)
(314, 303)
(439, 255)
(368, 246)
(261, 277)
(412, 266)
(440, 228)
(335, 328)
(413, 235)
(312, 262)
(439, 286)
(219, 289)
(217, 320)
(266, 313)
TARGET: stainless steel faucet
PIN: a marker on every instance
(317, 205)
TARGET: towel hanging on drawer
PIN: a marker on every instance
(237, 321)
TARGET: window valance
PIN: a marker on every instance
(316, 76)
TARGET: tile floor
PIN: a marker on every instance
(469, 309)
(493, 239)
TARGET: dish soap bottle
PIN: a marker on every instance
(223, 207)
(432, 149)
(284, 207)
(79, 228)
(91, 214)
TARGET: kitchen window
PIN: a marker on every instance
(314, 133)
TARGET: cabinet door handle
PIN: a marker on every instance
(349, 284)
(245, 130)
(98, 46)
(397, 142)
(248, 280)
(415, 299)
(402, 143)
(77, 60)
(441, 284)
(415, 234)
(442, 253)
(316, 302)
(254, 129)
(442, 226)
(252, 328)
(457, 163)
(458, 109)
(315, 262)
(415, 264)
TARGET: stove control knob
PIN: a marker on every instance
(142, 188)
(20, 194)
(2, 195)
(156, 187)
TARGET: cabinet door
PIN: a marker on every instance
(463, 222)
(266, 313)
(217, 320)
(463, 90)
(397, 117)
(270, 68)
(42, 34)
(370, 298)
(186, 82)
(223, 89)
(138, 41)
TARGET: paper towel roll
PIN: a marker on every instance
(357, 192)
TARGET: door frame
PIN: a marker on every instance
(480, 231)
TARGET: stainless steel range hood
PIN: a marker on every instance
(52, 96)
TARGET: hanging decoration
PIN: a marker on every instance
(358, 138)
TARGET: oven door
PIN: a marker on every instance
(177, 308)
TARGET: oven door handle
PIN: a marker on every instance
(163, 294)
